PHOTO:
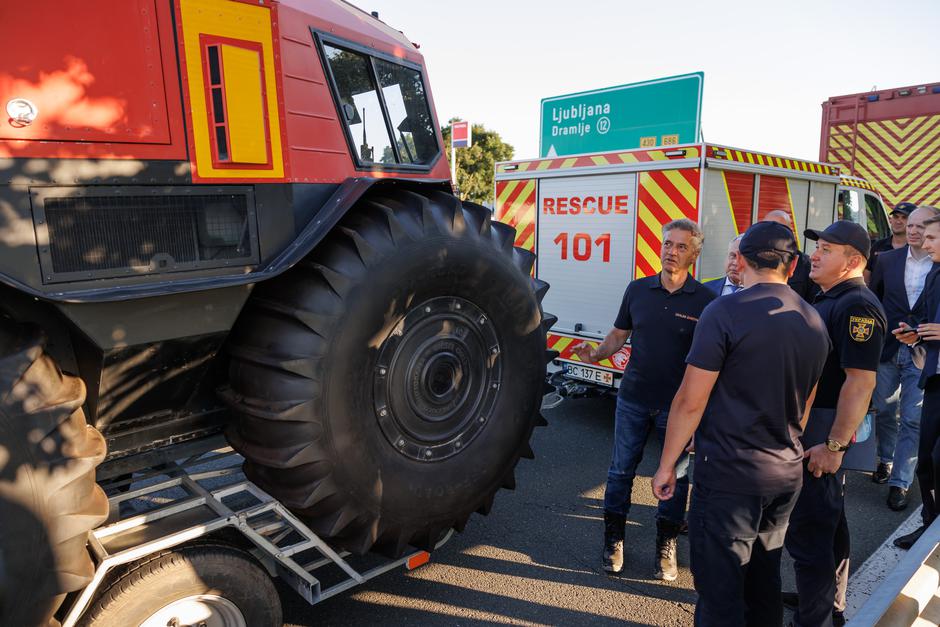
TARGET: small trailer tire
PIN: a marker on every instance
(218, 585)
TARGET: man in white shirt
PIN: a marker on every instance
(898, 281)
(731, 282)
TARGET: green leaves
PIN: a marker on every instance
(475, 165)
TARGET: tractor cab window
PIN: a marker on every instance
(408, 112)
(877, 221)
(360, 106)
(385, 108)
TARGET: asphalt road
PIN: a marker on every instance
(536, 558)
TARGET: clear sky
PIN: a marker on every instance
(768, 66)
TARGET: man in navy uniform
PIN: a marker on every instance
(731, 282)
(898, 281)
(818, 537)
(749, 462)
(659, 314)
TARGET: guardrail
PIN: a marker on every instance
(910, 594)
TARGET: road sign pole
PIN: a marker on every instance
(453, 161)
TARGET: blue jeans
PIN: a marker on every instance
(897, 381)
(631, 428)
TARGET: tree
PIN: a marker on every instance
(476, 165)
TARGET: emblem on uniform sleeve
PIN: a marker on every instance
(860, 329)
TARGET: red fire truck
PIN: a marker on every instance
(890, 137)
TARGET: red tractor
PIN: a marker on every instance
(235, 217)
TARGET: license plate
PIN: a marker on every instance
(593, 375)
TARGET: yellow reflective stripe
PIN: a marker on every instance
(685, 188)
(661, 198)
(507, 191)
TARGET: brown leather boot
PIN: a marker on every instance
(614, 525)
(667, 534)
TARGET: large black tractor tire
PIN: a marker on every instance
(205, 583)
(385, 388)
(49, 500)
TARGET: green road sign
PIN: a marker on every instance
(639, 115)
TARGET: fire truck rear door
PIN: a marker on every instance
(587, 226)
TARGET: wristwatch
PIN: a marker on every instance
(835, 446)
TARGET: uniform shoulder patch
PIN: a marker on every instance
(860, 328)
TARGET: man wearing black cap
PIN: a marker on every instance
(818, 537)
(749, 459)
(897, 220)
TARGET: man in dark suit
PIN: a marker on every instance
(898, 281)
(927, 334)
(799, 281)
(731, 282)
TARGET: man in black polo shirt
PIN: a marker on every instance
(818, 538)
(659, 314)
(752, 369)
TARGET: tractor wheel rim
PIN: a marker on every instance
(437, 378)
(202, 610)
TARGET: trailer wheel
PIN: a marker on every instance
(49, 500)
(385, 388)
(205, 583)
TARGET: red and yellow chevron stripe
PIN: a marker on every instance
(851, 181)
(759, 158)
(664, 195)
(515, 206)
(565, 344)
(608, 158)
(900, 156)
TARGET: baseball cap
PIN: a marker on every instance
(843, 232)
(768, 237)
(904, 208)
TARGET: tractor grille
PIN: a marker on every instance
(91, 236)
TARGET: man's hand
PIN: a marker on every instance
(929, 331)
(584, 352)
(664, 483)
(822, 461)
(903, 334)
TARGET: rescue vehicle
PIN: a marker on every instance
(889, 136)
(595, 222)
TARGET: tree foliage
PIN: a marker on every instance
(475, 165)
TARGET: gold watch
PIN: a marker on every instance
(835, 446)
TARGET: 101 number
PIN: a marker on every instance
(582, 247)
